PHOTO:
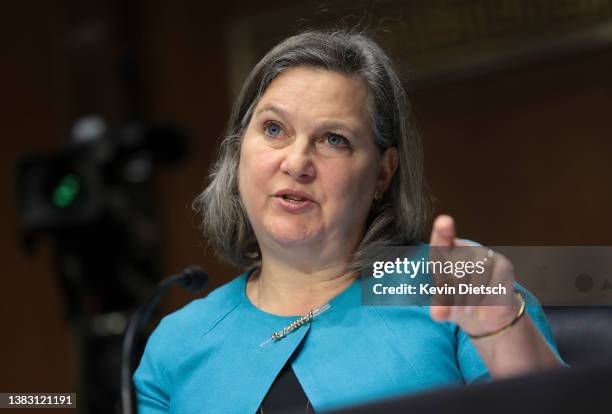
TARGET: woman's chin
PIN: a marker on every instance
(292, 239)
(291, 235)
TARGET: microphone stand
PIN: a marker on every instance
(192, 279)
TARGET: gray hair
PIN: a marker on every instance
(398, 219)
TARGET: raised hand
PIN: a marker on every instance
(477, 314)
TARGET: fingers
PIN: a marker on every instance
(443, 231)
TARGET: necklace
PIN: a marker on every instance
(293, 326)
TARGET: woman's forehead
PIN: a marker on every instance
(317, 92)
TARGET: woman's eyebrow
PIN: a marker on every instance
(341, 125)
(272, 108)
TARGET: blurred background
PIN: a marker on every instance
(113, 111)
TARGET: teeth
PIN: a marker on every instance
(293, 197)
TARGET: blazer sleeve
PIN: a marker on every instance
(151, 379)
(471, 364)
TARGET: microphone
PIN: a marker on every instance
(193, 279)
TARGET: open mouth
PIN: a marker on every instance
(294, 198)
(294, 203)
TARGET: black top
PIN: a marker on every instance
(285, 394)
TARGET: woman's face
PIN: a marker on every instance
(308, 163)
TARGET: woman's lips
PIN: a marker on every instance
(294, 206)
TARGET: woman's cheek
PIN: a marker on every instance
(354, 189)
(256, 173)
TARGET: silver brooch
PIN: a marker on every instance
(295, 325)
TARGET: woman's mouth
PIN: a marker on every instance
(293, 203)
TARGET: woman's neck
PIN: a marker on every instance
(286, 290)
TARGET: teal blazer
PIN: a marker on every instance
(212, 356)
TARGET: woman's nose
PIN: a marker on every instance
(297, 160)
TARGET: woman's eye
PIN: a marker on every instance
(337, 140)
(273, 129)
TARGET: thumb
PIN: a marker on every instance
(443, 231)
(442, 234)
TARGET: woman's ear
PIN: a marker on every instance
(388, 165)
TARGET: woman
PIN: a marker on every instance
(319, 166)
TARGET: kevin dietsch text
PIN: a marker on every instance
(455, 268)
(428, 289)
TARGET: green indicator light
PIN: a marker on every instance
(66, 191)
